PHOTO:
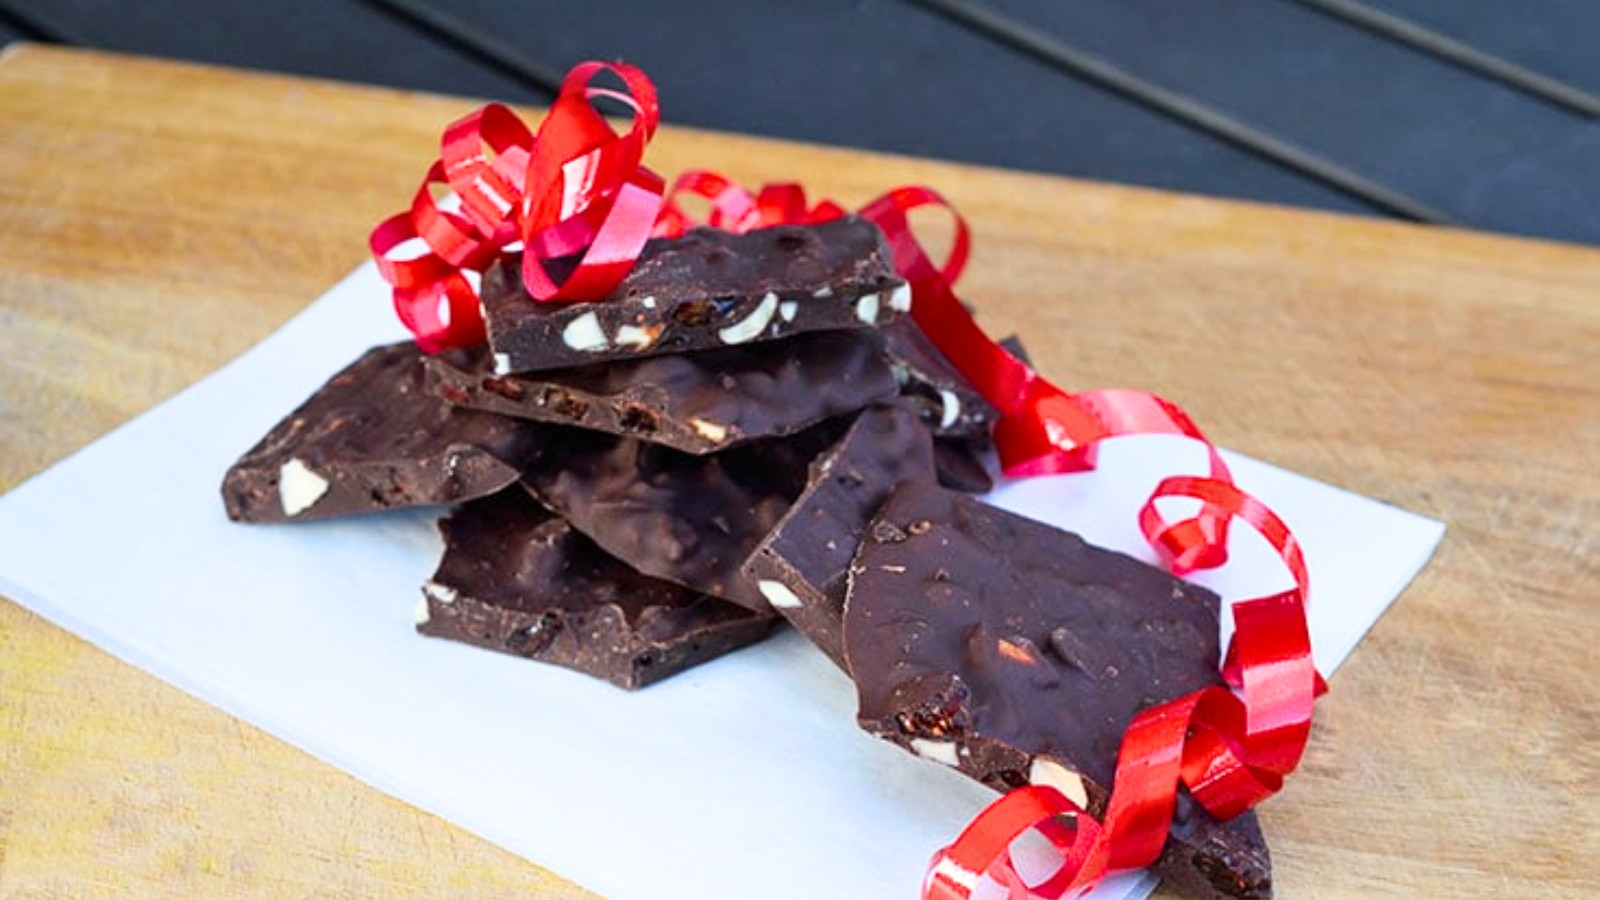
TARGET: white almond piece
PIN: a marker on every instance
(778, 594)
(787, 309)
(822, 292)
(1044, 770)
(421, 612)
(583, 333)
(711, 431)
(951, 408)
(750, 326)
(299, 488)
(443, 593)
(648, 303)
(900, 299)
(634, 336)
(937, 751)
(867, 309)
(502, 364)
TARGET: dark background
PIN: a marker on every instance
(1479, 113)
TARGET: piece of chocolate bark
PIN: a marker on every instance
(708, 288)
(698, 402)
(943, 397)
(691, 520)
(373, 438)
(802, 564)
(1015, 653)
(518, 579)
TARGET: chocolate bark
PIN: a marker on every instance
(691, 520)
(708, 288)
(518, 579)
(695, 402)
(801, 566)
(1016, 652)
(374, 438)
(945, 400)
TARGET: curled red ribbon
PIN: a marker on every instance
(575, 192)
(731, 208)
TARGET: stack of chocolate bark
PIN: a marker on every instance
(750, 429)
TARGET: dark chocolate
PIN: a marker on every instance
(708, 288)
(945, 400)
(801, 566)
(518, 579)
(1016, 652)
(1012, 344)
(962, 465)
(691, 520)
(374, 438)
(695, 402)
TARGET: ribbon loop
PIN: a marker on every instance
(587, 188)
(574, 194)
(984, 848)
(490, 188)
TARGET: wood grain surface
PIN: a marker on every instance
(157, 219)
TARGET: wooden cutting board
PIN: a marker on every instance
(157, 219)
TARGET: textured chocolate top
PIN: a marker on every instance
(1014, 651)
(518, 579)
(695, 402)
(372, 438)
(691, 520)
(708, 288)
(800, 567)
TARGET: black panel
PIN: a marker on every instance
(895, 76)
(343, 40)
(1553, 192)
(1401, 117)
(1558, 38)
(888, 76)
(31, 21)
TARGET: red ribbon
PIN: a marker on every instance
(575, 192)
(1230, 748)
(731, 208)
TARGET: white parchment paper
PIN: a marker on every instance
(745, 777)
